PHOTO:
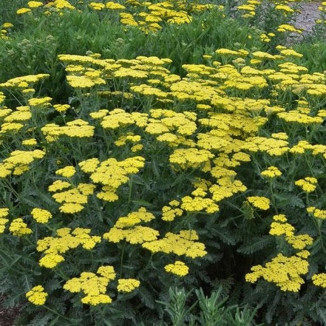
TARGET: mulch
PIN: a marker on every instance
(7, 315)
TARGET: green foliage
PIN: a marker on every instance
(205, 310)
(35, 47)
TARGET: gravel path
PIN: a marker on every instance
(309, 13)
(305, 20)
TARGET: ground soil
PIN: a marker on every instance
(7, 316)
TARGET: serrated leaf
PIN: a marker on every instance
(256, 244)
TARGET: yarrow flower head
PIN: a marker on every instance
(308, 184)
(19, 228)
(179, 268)
(127, 284)
(4, 212)
(262, 203)
(37, 295)
(41, 215)
(271, 172)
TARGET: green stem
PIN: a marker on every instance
(121, 257)
(130, 189)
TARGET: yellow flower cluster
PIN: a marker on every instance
(42, 102)
(88, 79)
(198, 204)
(182, 243)
(127, 284)
(76, 128)
(4, 212)
(67, 171)
(271, 146)
(92, 286)
(19, 161)
(4, 29)
(259, 202)
(299, 241)
(191, 158)
(271, 172)
(226, 187)
(29, 142)
(304, 146)
(179, 268)
(55, 247)
(41, 215)
(72, 200)
(61, 107)
(37, 295)
(118, 118)
(127, 228)
(24, 82)
(169, 213)
(298, 117)
(288, 28)
(280, 227)
(283, 9)
(150, 17)
(19, 228)
(308, 184)
(130, 138)
(319, 280)
(58, 6)
(111, 174)
(285, 272)
(316, 212)
(147, 16)
(34, 4)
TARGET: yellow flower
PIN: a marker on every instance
(319, 280)
(178, 268)
(284, 271)
(22, 11)
(90, 165)
(281, 229)
(29, 142)
(259, 202)
(19, 228)
(67, 171)
(271, 172)
(34, 4)
(316, 212)
(7, 25)
(198, 204)
(94, 300)
(59, 185)
(41, 215)
(4, 212)
(61, 107)
(51, 260)
(280, 218)
(36, 295)
(3, 218)
(299, 241)
(308, 184)
(40, 101)
(114, 6)
(127, 284)
(107, 272)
